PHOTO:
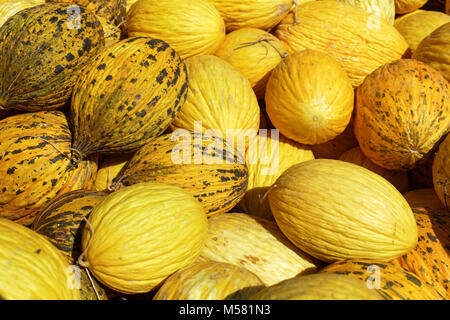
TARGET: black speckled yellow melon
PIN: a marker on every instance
(61, 221)
(42, 51)
(36, 164)
(206, 166)
(127, 96)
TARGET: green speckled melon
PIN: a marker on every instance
(61, 221)
(36, 164)
(42, 50)
(129, 95)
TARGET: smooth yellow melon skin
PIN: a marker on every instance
(32, 268)
(334, 210)
(142, 234)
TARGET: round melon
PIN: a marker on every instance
(127, 96)
(359, 41)
(417, 25)
(219, 99)
(335, 210)
(402, 111)
(303, 104)
(192, 27)
(32, 268)
(209, 281)
(141, 234)
(254, 53)
(434, 50)
(426, 198)
(257, 245)
(318, 287)
(39, 68)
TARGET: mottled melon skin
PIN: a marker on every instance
(61, 221)
(41, 54)
(37, 165)
(402, 111)
(217, 184)
(128, 96)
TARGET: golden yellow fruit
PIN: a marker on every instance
(32, 268)
(434, 50)
(406, 6)
(441, 172)
(402, 111)
(357, 40)
(208, 281)
(257, 245)
(398, 178)
(335, 210)
(391, 280)
(417, 25)
(141, 235)
(254, 53)
(10, 8)
(219, 98)
(268, 156)
(303, 103)
(206, 167)
(430, 259)
(108, 170)
(318, 287)
(261, 14)
(382, 8)
(192, 27)
(426, 198)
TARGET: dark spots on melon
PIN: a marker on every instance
(133, 80)
(154, 101)
(431, 237)
(102, 96)
(70, 57)
(19, 192)
(109, 77)
(53, 19)
(87, 44)
(87, 208)
(11, 170)
(413, 279)
(161, 76)
(121, 107)
(54, 181)
(58, 69)
(145, 64)
(151, 57)
(429, 250)
(141, 114)
(102, 66)
(4, 189)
